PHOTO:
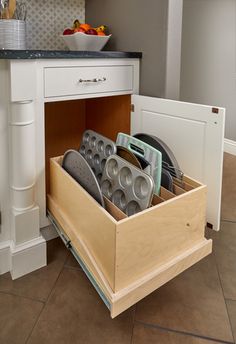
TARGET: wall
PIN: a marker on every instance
(173, 51)
(136, 25)
(208, 73)
(46, 20)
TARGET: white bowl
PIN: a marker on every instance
(79, 41)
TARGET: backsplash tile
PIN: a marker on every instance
(46, 20)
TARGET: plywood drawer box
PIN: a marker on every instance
(130, 258)
(82, 80)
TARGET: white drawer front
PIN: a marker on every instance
(70, 81)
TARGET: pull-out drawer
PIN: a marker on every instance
(71, 81)
(128, 258)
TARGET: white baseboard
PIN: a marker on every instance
(28, 257)
(23, 259)
(49, 233)
(230, 146)
(5, 265)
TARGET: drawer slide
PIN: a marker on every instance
(70, 247)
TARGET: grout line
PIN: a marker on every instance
(72, 268)
(131, 339)
(229, 299)
(217, 269)
(230, 221)
(49, 295)
(230, 320)
(22, 296)
(183, 333)
(36, 322)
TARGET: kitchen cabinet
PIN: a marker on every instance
(58, 100)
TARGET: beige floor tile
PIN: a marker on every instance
(17, 317)
(228, 206)
(71, 262)
(224, 246)
(193, 302)
(75, 314)
(149, 335)
(231, 306)
(38, 284)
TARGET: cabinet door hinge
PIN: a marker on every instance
(209, 225)
(132, 107)
(215, 110)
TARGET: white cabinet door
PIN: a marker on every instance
(195, 134)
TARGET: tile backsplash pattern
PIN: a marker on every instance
(46, 20)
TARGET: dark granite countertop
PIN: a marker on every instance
(63, 54)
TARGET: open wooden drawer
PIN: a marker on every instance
(129, 258)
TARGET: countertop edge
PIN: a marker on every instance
(64, 54)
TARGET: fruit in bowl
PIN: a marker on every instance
(84, 37)
(91, 32)
(68, 32)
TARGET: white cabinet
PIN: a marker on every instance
(128, 258)
(62, 98)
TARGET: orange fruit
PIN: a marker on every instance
(100, 33)
(86, 27)
(79, 30)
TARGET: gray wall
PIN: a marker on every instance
(208, 74)
(136, 25)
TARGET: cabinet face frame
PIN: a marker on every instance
(40, 67)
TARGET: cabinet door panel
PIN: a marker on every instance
(194, 133)
(4, 170)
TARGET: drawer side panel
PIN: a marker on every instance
(87, 218)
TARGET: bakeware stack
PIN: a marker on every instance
(170, 166)
(96, 148)
(128, 187)
(78, 168)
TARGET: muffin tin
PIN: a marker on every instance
(144, 150)
(129, 188)
(96, 148)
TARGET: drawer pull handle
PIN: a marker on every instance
(92, 80)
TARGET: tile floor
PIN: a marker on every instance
(57, 304)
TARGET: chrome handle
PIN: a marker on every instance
(92, 80)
